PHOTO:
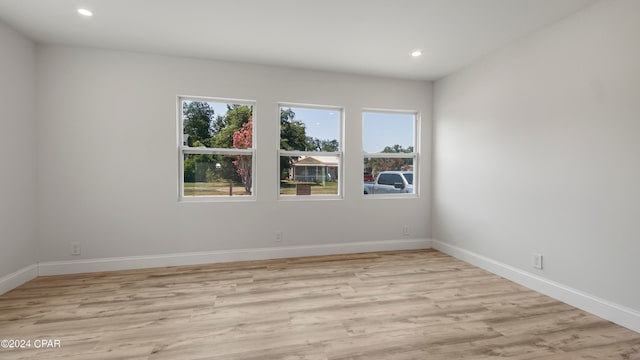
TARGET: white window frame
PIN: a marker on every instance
(339, 154)
(415, 155)
(186, 150)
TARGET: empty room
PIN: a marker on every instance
(320, 180)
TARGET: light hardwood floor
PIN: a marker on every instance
(391, 306)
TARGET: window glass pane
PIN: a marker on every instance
(309, 129)
(310, 175)
(388, 132)
(217, 175)
(213, 124)
(409, 177)
(388, 175)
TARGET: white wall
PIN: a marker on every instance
(17, 152)
(538, 150)
(108, 173)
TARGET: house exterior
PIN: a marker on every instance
(315, 169)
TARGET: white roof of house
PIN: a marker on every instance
(317, 161)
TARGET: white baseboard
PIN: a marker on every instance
(150, 261)
(13, 280)
(605, 309)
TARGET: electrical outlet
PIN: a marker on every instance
(278, 237)
(405, 230)
(536, 261)
(75, 248)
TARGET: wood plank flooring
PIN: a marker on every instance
(390, 305)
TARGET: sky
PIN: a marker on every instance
(378, 129)
(387, 129)
(323, 124)
(218, 108)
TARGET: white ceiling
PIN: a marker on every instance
(356, 36)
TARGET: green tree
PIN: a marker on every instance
(397, 149)
(223, 129)
(198, 168)
(225, 126)
(325, 145)
(293, 133)
(374, 165)
(197, 120)
(189, 169)
(293, 137)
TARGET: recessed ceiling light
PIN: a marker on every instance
(416, 53)
(85, 12)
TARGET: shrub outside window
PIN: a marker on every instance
(217, 152)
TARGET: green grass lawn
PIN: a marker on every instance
(222, 188)
(329, 188)
(212, 189)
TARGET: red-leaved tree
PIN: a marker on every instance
(243, 139)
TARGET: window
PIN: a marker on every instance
(310, 152)
(390, 156)
(217, 152)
